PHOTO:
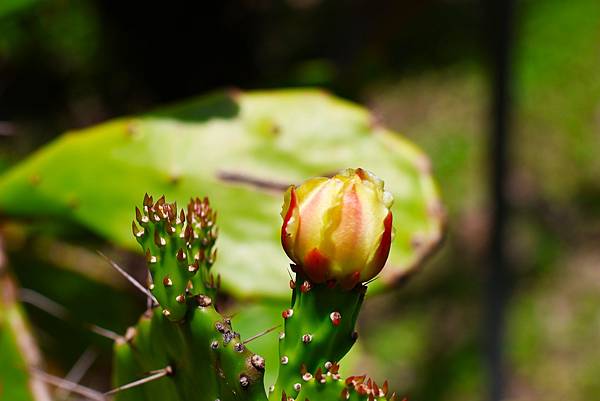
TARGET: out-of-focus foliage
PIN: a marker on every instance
(18, 350)
(554, 317)
(241, 150)
(558, 98)
(7, 7)
(554, 309)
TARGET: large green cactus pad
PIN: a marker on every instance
(242, 149)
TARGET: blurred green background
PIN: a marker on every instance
(422, 68)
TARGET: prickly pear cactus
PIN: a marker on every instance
(252, 146)
(319, 330)
(201, 355)
(190, 237)
(183, 349)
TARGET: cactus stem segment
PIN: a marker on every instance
(324, 336)
(179, 250)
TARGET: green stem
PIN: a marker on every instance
(319, 331)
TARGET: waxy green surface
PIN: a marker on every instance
(242, 149)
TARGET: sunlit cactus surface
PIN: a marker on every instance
(183, 349)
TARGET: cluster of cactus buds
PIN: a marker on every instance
(179, 250)
(338, 233)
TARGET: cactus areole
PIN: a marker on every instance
(337, 231)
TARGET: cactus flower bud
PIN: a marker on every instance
(338, 228)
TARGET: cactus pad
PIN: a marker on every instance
(242, 148)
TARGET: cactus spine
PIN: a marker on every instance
(194, 351)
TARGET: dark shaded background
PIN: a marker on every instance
(450, 74)
(95, 60)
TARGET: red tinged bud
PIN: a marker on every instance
(338, 229)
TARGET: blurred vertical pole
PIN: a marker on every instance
(499, 25)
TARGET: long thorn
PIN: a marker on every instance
(101, 331)
(155, 375)
(67, 385)
(79, 369)
(129, 278)
(44, 303)
(254, 337)
(371, 280)
(57, 310)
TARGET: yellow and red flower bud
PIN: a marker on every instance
(338, 228)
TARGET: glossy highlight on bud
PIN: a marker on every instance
(338, 228)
